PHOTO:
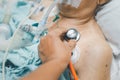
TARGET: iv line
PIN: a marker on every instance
(7, 49)
(42, 23)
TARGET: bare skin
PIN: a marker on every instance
(55, 58)
(95, 53)
(95, 56)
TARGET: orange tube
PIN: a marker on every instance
(73, 71)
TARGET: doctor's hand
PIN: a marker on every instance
(55, 54)
(54, 47)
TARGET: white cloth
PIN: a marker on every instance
(109, 20)
(74, 3)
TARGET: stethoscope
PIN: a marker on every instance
(74, 35)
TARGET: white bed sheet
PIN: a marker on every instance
(109, 20)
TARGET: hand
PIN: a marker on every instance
(53, 47)
(53, 52)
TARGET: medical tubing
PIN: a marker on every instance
(41, 26)
(7, 49)
(69, 36)
(73, 72)
(41, 23)
(45, 17)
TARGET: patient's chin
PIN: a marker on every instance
(67, 10)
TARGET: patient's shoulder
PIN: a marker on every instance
(95, 58)
(97, 48)
(100, 47)
(94, 45)
(96, 52)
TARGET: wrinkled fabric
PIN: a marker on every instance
(22, 61)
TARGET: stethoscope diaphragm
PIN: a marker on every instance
(72, 34)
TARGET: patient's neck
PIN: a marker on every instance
(79, 21)
(78, 16)
(76, 23)
(84, 26)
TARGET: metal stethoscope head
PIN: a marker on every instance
(75, 35)
(72, 34)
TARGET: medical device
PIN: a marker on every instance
(41, 27)
(72, 34)
(75, 35)
(36, 31)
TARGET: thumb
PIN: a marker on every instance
(59, 31)
(71, 44)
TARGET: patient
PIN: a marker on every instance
(95, 54)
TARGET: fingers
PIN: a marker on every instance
(41, 50)
(51, 44)
(71, 44)
(57, 32)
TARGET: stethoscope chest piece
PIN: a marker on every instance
(72, 34)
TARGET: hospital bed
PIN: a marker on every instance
(108, 18)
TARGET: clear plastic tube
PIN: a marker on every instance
(40, 28)
(11, 40)
(43, 21)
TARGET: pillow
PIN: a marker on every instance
(109, 20)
